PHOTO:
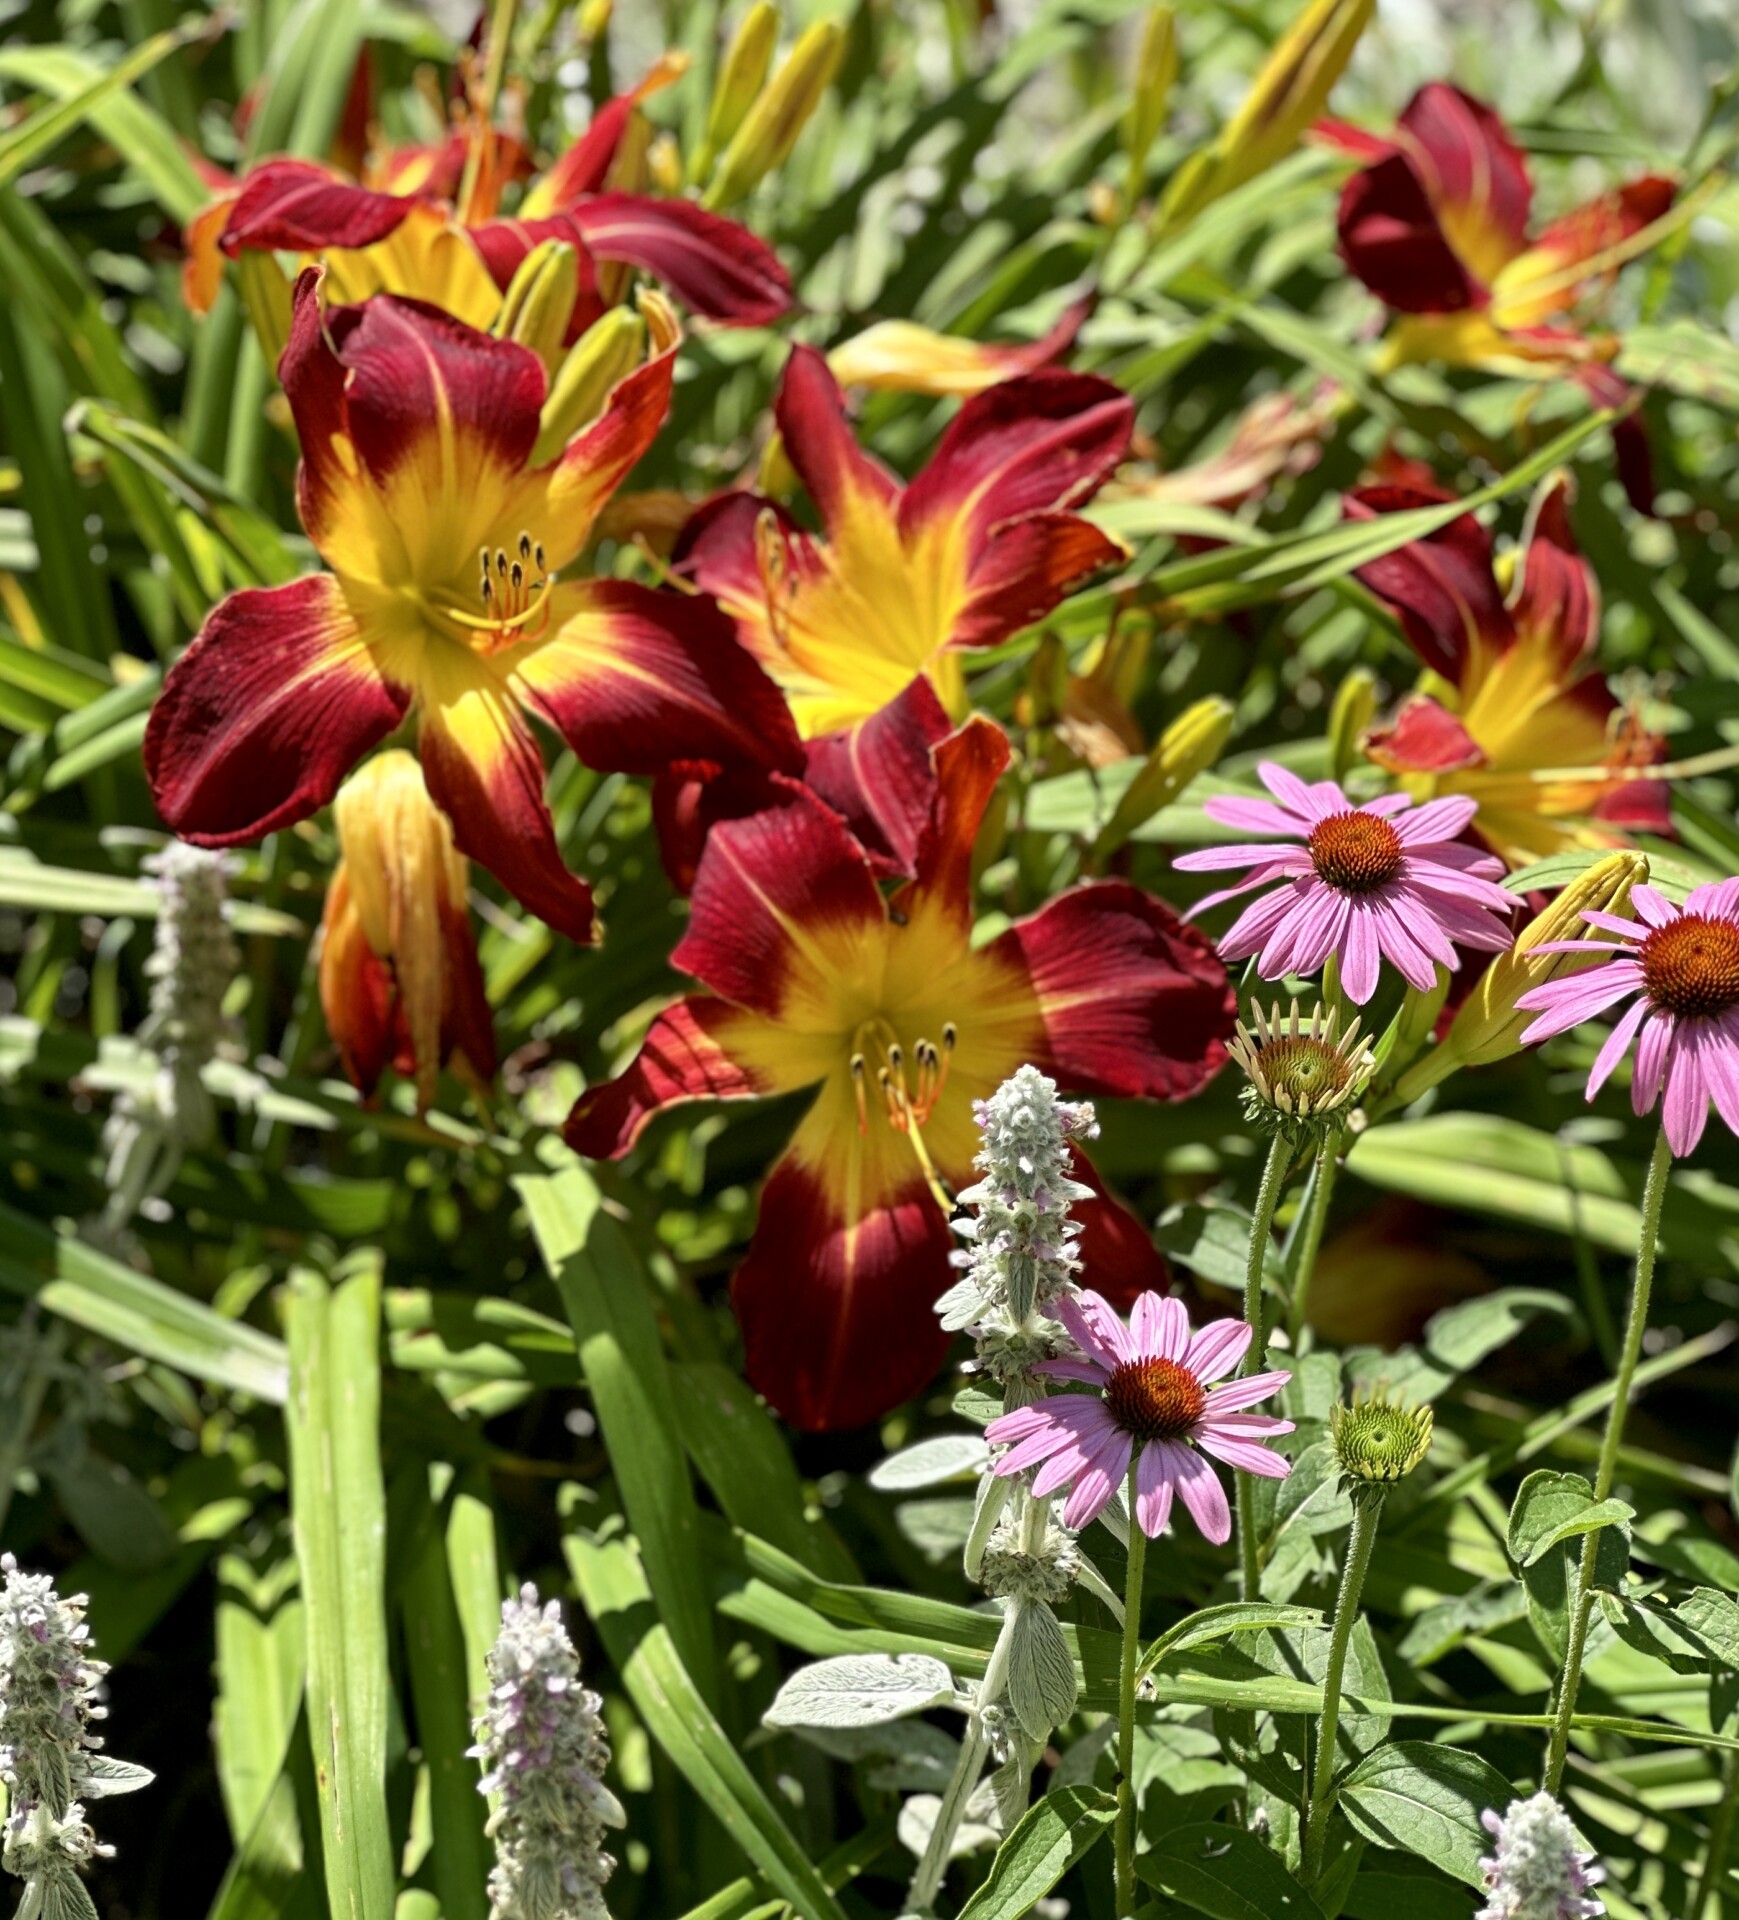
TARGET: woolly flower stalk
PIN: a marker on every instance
(542, 1743)
(1539, 1870)
(50, 1761)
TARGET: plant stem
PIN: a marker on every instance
(1712, 1875)
(974, 1744)
(1310, 1236)
(1367, 1511)
(1261, 1233)
(1126, 1709)
(1654, 1195)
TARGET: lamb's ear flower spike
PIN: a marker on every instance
(50, 1760)
(1359, 885)
(1539, 1869)
(541, 1739)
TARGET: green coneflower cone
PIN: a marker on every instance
(1303, 1074)
(542, 1743)
(1377, 1442)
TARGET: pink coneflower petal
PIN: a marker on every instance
(1251, 1426)
(1719, 899)
(1563, 1004)
(1724, 1067)
(1653, 906)
(1613, 923)
(1685, 1102)
(1217, 1348)
(1153, 1491)
(1242, 1453)
(1243, 887)
(1199, 1488)
(1009, 1428)
(1234, 854)
(1362, 957)
(1071, 1420)
(1159, 1329)
(1063, 1467)
(1439, 820)
(1651, 1060)
(1095, 1328)
(1291, 792)
(1617, 1042)
(1385, 804)
(1259, 921)
(1106, 1471)
(1088, 1370)
(1232, 1395)
(1253, 816)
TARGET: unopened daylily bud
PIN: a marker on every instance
(609, 349)
(664, 163)
(1288, 95)
(742, 74)
(1489, 1026)
(266, 295)
(770, 128)
(399, 977)
(1190, 745)
(776, 478)
(1349, 718)
(1155, 73)
(539, 301)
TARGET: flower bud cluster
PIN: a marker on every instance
(542, 1743)
(1538, 1870)
(1043, 1571)
(192, 963)
(48, 1689)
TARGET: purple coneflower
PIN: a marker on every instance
(1682, 964)
(1155, 1402)
(1387, 880)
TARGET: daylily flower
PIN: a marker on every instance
(906, 580)
(884, 1009)
(444, 544)
(1437, 226)
(1513, 686)
(399, 979)
(407, 235)
(900, 356)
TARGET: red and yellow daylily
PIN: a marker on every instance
(1511, 689)
(408, 234)
(884, 1009)
(1437, 226)
(904, 581)
(444, 543)
(399, 979)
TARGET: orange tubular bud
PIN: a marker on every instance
(399, 977)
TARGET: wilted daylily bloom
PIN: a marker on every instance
(1514, 689)
(888, 1014)
(905, 580)
(408, 235)
(444, 543)
(399, 979)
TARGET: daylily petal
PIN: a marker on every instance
(899, 356)
(1442, 588)
(715, 267)
(1423, 738)
(585, 167)
(1556, 607)
(968, 765)
(842, 480)
(297, 206)
(1026, 568)
(356, 991)
(265, 713)
(1392, 239)
(698, 1049)
(1477, 176)
(879, 777)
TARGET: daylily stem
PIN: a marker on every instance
(1125, 1837)
(1261, 1233)
(1712, 1874)
(1310, 1236)
(1367, 1511)
(1654, 1193)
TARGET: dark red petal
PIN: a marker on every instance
(1607, 221)
(1630, 443)
(1118, 1256)
(1044, 441)
(314, 378)
(1391, 240)
(968, 765)
(768, 888)
(810, 411)
(714, 267)
(838, 1312)
(1026, 568)
(1441, 588)
(879, 777)
(1471, 164)
(357, 994)
(467, 1021)
(1423, 738)
(686, 1055)
(298, 207)
(1557, 602)
(692, 797)
(265, 713)
(1135, 1002)
(635, 677)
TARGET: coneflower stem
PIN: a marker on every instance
(1310, 1233)
(1367, 1510)
(1712, 1875)
(1125, 1835)
(1261, 1235)
(1654, 1193)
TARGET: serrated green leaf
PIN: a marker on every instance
(1418, 1797)
(1224, 1872)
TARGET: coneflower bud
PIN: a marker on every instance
(542, 1743)
(1539, 1869)
(1378, 1441)
(1302, 1075)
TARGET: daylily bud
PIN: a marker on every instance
(539, 301)
(1488, 1027)
(742, 74)
(609, 349)
(1190, 745)
(1155, 72)
(1289, 94)
(1355, 705)
(266, 295)
(771, 126)
(776, 478)
(399, 977)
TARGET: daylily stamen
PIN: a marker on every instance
(512, 598)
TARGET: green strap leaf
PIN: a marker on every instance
(1050, 1838)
